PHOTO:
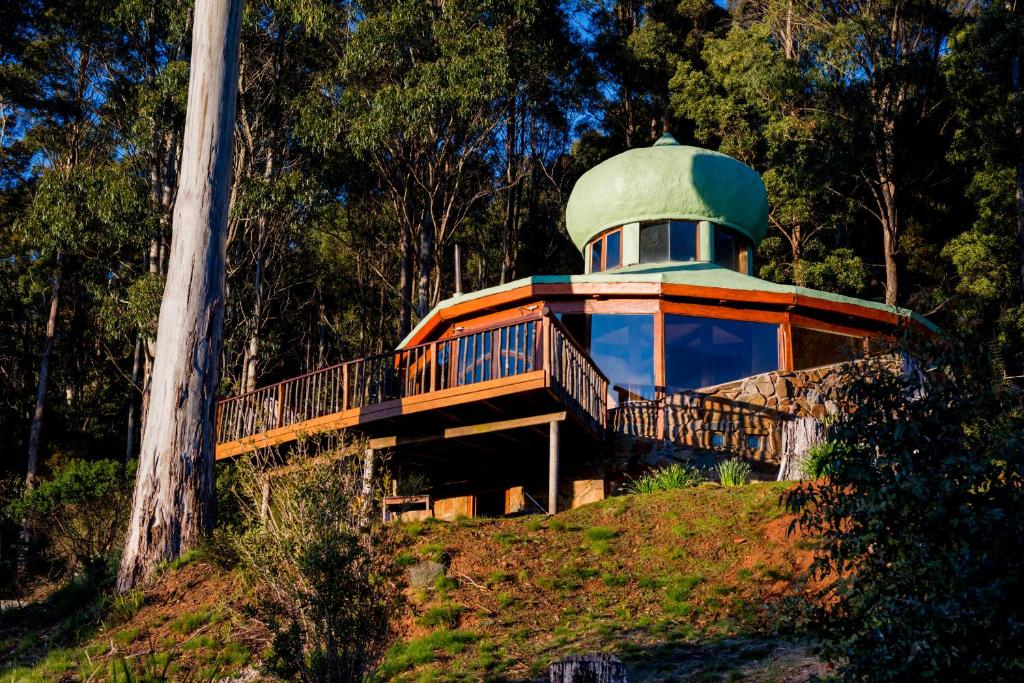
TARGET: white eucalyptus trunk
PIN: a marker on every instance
(173, 505)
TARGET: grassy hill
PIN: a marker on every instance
(682, 584)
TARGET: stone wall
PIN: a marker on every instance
(747, 418)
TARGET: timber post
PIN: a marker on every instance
(367, 488)
(553, 467)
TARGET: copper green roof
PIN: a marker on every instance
(693, 274)
(667, 180)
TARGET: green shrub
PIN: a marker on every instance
(81, 510)
(329, 587)
(674, 476)
(921, 522)
(817, 462)
(733, 472)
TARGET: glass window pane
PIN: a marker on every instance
(727, 249)
(654, 243)
(813, 348)
(703, 352)
(613, 250)
(683, 241)
(595, 256)
(623, 347)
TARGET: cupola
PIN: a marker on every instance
(668, 203)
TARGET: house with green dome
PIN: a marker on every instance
(547, 391)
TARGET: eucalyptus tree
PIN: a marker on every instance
(421, 85)
(984, 70)
(278, 189)
(750, 100)
(80, 202)
(881, 61)
(547, 79)
(637, 46)
(173, 503)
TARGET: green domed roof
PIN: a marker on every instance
(667, 180)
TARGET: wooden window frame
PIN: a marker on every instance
(603, 239)
(743, 250)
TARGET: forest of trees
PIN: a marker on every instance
(371, 137)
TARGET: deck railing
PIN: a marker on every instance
(502, 351)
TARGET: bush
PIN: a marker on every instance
(330, 590)
(82, 510)
(921, 522)
(733, 472)
(817, 463)
(675, 476)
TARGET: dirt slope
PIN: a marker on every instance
(679, 584)
(682, 585)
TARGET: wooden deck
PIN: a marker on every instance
(505, 377)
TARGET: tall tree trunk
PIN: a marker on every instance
(174, 499)
(36, 432)
(405, 283)
(426, 266)
(890, 240)
(133, 428)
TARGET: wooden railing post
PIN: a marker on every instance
(433, 366)
(280, 405)
(546, 343)
(344, 386)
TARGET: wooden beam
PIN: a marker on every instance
(467, 430)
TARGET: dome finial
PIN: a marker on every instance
(665, 139)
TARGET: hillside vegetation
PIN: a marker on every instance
(686, 583)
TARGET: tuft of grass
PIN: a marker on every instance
(675, 476)
(127, 636)
(187, 623)
(409, 654)
(497, 577)
(123, 607)
(733, 472)
(506, 539)
(598, 538)
(405, 559)
(446, 615)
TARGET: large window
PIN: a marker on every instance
(814, 348)
(622, 346)
(668, 241)
(702, 352)
(606, 251)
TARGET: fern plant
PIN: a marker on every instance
(733, 472)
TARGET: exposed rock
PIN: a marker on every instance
(425, 573)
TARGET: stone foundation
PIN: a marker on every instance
(754, 418)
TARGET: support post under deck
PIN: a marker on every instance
(553, 467)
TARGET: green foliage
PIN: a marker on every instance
(82, 510)
(733, 472)
(674, 476)
(817, 462)
(329, 587)
(920, 524)
(446, 615)
(125, 606)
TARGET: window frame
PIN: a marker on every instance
(742, 248)
(602, 239)
(667, 222)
